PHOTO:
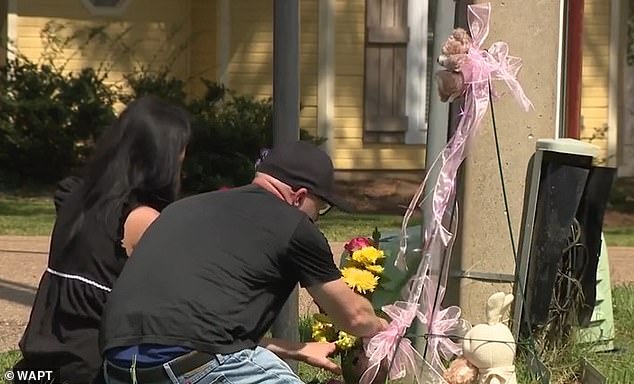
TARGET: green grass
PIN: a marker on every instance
(26, 215)
(35, 216)
(339, 226)
(619, 236)
(7, 360)
(618, 366)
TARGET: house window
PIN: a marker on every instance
(398, 45)
(106, 7)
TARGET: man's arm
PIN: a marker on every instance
(348, 310)
(312, 258)
(315, 354)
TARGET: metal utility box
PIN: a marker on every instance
(565, 199)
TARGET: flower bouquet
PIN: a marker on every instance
(369, 271)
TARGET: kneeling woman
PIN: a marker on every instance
(133, 175)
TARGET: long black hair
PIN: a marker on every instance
(138, 156)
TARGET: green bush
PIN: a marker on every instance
(146, 82)
(228, 130)
(228, 133)
(49, 121)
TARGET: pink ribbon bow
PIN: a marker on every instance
(391, 347)
(386, 345)
(494, 64)
(441, 327)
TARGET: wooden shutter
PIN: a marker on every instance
(385, 71)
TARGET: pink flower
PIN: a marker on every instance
(357, 243)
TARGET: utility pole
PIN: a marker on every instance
(286, 126)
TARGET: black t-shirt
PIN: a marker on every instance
(213, 271)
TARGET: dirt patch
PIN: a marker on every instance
(618, 219)
(392, 196)
(385, 195)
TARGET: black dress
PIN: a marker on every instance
(62, 334)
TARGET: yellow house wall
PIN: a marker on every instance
(595, 73)
(204, 16)
(250, 61)
(183, 33)
(350, 152)
(3, 31)
(152, 33)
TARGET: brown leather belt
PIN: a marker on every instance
(180, 366)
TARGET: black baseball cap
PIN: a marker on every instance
(301, 164)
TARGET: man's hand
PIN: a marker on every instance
(383, 324)
(317, 355)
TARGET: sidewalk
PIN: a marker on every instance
(24, 258)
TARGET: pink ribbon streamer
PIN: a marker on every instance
(427, 286)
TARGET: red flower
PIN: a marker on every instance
(357, 243)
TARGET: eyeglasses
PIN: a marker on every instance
(325, 209)
(324, 206)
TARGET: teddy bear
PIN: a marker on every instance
(489, 348)
(461, 371)
(454, 54)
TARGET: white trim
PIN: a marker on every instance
(416, 74)
(326, 73)
(106, 11)
(223, 40)
(12, 28)
(614, 81)
(561, 76)
(79, 278)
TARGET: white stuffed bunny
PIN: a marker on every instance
(491, 347)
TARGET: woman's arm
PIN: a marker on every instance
(64, 189)
(135, 225)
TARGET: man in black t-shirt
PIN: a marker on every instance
(210, 275)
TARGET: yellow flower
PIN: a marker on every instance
(367, 255)
(376, 269)
(345, 341)
(320, 339)
(360, 280)
(323, 332)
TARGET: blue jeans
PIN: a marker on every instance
(248, 366)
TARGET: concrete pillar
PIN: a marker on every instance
(483, 245)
